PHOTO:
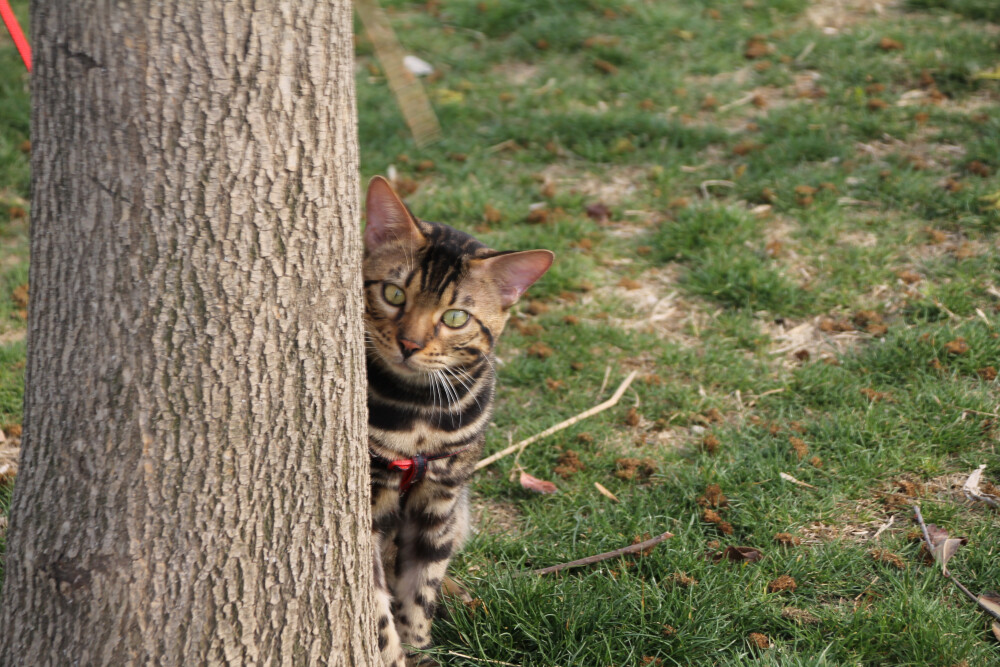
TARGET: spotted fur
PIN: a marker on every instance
(430, 392)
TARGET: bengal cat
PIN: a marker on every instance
(436, 300)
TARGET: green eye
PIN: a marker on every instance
(455, 318)
(394, 295)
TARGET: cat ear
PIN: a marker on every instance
(515, 272)
(387, 217)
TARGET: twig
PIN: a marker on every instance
(930, 549)
(561, 425)
(604, 383)
(805, 52)
(736, 103)
(631, 549)
(714, 181)
(409, 92)
(486, 660)
(883, 527)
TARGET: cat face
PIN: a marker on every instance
(435, 297)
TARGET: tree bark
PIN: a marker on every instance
(194, 477)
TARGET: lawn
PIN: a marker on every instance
(783, 215)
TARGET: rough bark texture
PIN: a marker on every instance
(193, 485)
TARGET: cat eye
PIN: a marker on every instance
(455, 318)
(394, 295)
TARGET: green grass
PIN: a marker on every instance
(834, 191)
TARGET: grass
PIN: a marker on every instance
(830, 311)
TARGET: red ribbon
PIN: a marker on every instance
(16, 34)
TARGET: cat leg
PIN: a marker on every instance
(434, 527)
(389, 644)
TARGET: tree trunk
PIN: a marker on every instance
(194, 477)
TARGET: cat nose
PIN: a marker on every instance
(408, 347)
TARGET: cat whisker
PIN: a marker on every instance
(468, 388)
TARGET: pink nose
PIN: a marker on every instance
(409, 347)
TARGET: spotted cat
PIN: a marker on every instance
(436, 300)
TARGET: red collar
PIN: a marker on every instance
(414, 468)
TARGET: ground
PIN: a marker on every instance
(783, 215)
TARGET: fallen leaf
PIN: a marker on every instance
(798, 616)
(605, 66)
(454, 589)
(682, 579)
(714, 497)
(889, 44)
(537, 216)
(629, 468)
(799, 445)
(537, 485)
(569, 464)
(739, 555)
(979, 169)
(972, 489)
(604, 492)
(598, 212)
(540, 350)
(711, 516)
(782, 583)
(20, 295)
(788, 478)
(787, 539)
(756, 47)
(943, 546)
(884, 556)
(957, 346)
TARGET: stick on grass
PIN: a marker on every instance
(930, 549)
(624, 551)
(561, 425)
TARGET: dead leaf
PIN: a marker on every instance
(957, 346)
(799, 445)
(990, 601)
(739, 555)
(598, 212)
(787, 539)
(537, 216)
(540, 350)
(943, 546)
(20, 295)
(973, 491)
(782, 583)
(537, 485)
(889, 44)
(714, 497)
(604, 492)
(884, 556)
(711, 516)
(491, 214)
(757, 47)
(605, 66)
(798, 616)
(569, 464)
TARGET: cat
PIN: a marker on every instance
(436, 300)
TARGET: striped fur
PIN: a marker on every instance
(430, 392)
